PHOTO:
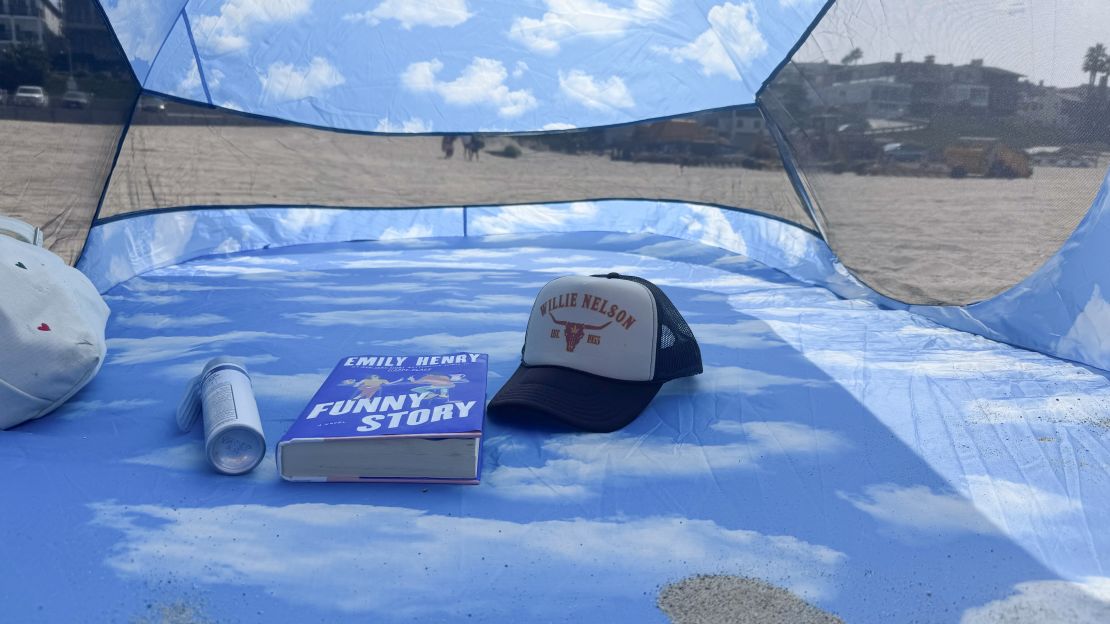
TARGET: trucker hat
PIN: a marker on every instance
(597, 350)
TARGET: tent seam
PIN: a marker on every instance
(884, 302)
(794, 174)
(111, 170)
(713, 30)
(794, 49)
(162, 46)
(119, 44)
(196, 54)
(190, 102)
(153, 211)
(123, 132)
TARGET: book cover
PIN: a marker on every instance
(388, 418)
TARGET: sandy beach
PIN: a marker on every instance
(166, 166)
(923, 240)
(954, 241)
(51, 175)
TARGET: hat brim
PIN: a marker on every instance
(579, 399)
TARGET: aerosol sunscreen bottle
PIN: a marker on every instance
(222, 394)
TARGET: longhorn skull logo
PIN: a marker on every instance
(574, 332)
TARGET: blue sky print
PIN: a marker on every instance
(863, 454)
(876, 464)
(396, 66)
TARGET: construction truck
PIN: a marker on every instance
(986, 158)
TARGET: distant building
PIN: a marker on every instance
(37, 22)
(1064, 156)
(880, 89)
(882, 97)
(968, 95)
(741, 128)
(676, 136)
(92, 47)
(1003, 87)
(1049, 106)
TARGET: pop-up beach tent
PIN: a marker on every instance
(885, 222)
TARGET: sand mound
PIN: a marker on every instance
(736, 600)
(172, 613)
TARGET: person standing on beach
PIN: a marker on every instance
(472, 145)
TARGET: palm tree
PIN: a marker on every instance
(853, 56)
(1096, 61)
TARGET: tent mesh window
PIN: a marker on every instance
(66, 91)
(921, 153)
(183, 155)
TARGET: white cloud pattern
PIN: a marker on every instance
(576, 466)
(1041, 602)
(732, 41)
(514, 219)
(189, 457)
(497, 345)
(285, 82)
(295, 388)
(565, 19)
(623, 558)
(481, 82)
(410, 125)
(591, 92)
(159, 321)
(733, 380)
(123, 351)
(995, 506)
(404, 318)
(133, 21)
(229, 31)
(1087, 340)
(411, 13)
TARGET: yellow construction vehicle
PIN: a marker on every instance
(986, 158)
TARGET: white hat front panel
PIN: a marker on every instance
(597, 325)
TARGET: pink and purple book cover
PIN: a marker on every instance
(412, 396)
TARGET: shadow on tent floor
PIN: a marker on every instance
(881, 467)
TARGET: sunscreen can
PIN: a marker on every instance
(233, 438)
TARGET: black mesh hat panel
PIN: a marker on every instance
(677, 353)
(949, 147)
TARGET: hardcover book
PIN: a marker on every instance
(387, 418)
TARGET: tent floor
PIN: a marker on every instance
(871, 463)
